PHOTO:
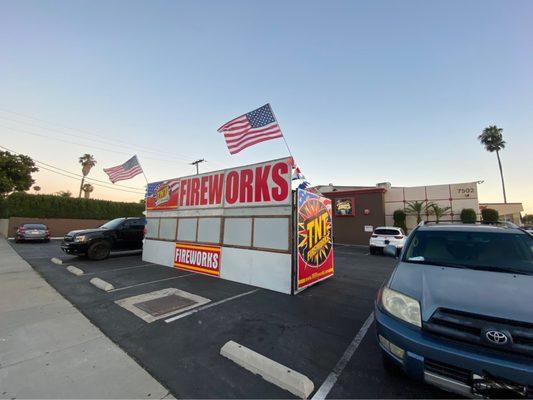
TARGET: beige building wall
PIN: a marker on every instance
(508, 211)
(457, 196)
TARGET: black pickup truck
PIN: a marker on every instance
(117, 234)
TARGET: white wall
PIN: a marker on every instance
(159, 252)
(258, 268)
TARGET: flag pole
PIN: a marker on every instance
(142, 169)
(282, 135)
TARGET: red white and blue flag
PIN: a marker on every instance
(254, 127)
(124, 171)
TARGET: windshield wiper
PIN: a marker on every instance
(501, 269)
(437, 263)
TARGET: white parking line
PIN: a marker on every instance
(147, 283)
(326, 387)
(122, 269)
(186, 314)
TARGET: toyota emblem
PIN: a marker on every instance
(496, 337)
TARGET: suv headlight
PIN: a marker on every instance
(401, 306)
(81, 238)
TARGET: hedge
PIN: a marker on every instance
(490, 216)
(468, 216)
(20, 204)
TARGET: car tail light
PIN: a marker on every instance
(145, 231)
(21, 230)
(374, 236)
(398, 237)
(47, 232)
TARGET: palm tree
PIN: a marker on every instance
(87, 189)
(87, 161)
(64, 193)
(492, 139)
(438, 211)
(416, 208)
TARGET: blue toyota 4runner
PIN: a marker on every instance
(457, 312)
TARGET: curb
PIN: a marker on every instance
(56, 260)
(271, 371)
(101, 284)
(76, 271)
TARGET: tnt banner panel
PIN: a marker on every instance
(162, 195)
(314, 239)
(197, 258)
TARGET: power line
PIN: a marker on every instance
(153, 150)
(103, 141)
(196, 163)
(77, 177)
(79, 144)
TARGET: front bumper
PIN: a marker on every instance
(423, 350)
(74, 247)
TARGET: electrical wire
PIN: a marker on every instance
(77, 177)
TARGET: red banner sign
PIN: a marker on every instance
(314, 239)
(198, 258)
(267, 183)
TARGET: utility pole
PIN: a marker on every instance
(196, 163)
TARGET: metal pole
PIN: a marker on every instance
(196, 164)
(282, 135)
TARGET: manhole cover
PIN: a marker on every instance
(164, 305)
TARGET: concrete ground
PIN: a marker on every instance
(48, 349)
(308, 333)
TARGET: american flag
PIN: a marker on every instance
(255, 127)
(173, 185)
(125, 171)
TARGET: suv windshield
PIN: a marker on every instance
(494, 251)
(113, 224)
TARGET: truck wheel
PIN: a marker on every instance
(99, 250)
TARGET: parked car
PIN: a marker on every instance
(32, 232)
(384, 236)
(457, 311)
(117, 234)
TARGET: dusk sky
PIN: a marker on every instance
(365, 92)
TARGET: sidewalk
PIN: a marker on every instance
(48, 349)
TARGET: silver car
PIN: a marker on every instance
(33, 232)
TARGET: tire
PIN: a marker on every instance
(99, 250)
(398, 252)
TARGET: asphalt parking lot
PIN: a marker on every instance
(309, 332)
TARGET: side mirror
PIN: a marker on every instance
(390, 250)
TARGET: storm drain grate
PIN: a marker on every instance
(164, 305)
(161, 303)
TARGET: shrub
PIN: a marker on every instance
(490, 215)
(399, 219)
(20, 204)
(468, 216)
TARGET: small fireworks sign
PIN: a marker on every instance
(314, 239)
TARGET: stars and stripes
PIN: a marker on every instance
(124, 171)
(173, 185)
(254, 127)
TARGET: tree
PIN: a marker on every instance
(438, 211)
(15, 172)
(490, 215)
(87, 161)
(468, 216)
(399, 219)
(416, 208)
(64, 193)
(528, 219)
(492, 139)
(87, 189)
(37, 188)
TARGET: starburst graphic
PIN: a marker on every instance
(314, 227)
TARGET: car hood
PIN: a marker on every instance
(85, 231)
(494, 294)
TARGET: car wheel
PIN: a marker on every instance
(389, 365)
(99, 250)
(398, 252)
(371, 250)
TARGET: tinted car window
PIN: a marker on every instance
(34, 226)
(497, 251)
(387, 232)
(113, 224)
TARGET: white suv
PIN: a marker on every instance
(387, 235)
